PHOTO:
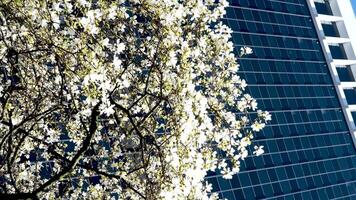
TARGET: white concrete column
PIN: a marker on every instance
(349, 19)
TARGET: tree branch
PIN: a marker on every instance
(92, 129)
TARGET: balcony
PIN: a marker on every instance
(337, 51)
(330, 29)
(323, 7)
(339, 62)
(337, 40)
(329, 18)
(350, 95)
(345, 74)
(353, 114)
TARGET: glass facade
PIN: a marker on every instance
(309, 153)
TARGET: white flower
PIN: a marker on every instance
(257, 126)
(85, 21)
(94, 30)
(105, 42)
(267, 116)
(227, 176)
(84, 3)
(244, 119)
(56, 21)
(117, 63)
(246, 50)
(244, 142)
(244, 154)
(120, 47)
(258, 150)
(23, 175)
(112, 12)
(107, 110)
(57, 7)
(172, 59)
(243, 84)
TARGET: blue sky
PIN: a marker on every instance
(354, 5)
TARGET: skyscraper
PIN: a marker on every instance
(302, 71)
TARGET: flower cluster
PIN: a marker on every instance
(117, 99)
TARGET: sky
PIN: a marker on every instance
(354, 5)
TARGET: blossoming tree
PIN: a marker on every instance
(122, 99)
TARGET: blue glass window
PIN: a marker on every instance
(337, 52)
(330, 29)
(323, 7)
(350, 96)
